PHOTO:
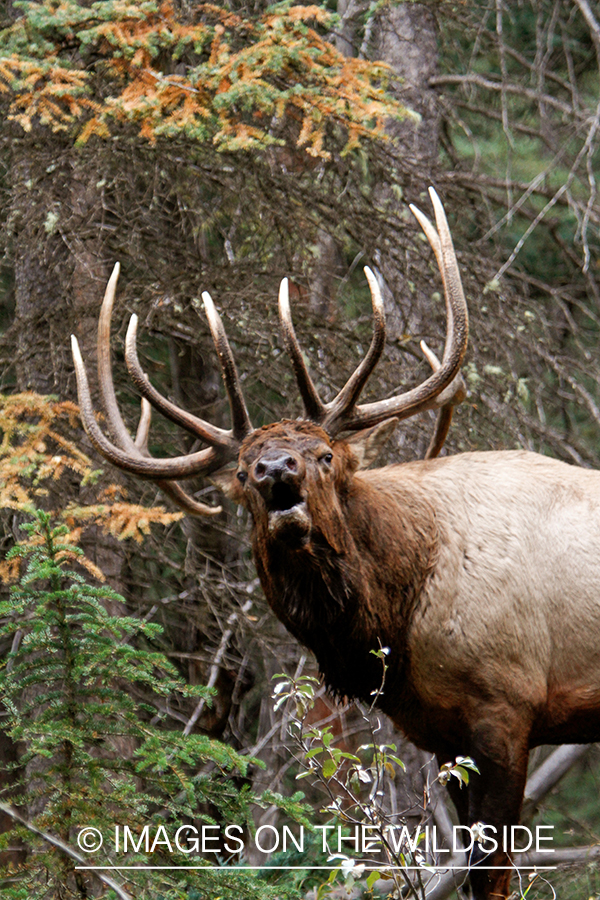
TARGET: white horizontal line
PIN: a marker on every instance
(233, 869)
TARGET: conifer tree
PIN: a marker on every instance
(241, 80)
(83, 692)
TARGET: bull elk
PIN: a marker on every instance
(480, 571)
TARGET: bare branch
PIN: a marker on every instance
(68, 851)
(549, 773)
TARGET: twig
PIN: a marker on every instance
(517, 89)
(214, 669)
(588, 15)
(562, 190)
(18, 637)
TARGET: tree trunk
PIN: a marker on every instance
(405, 37)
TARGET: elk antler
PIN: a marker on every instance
(450, 397)
(442, 389)
(133, 455)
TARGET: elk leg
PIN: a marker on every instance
(495, 798)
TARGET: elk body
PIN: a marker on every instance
(480, 572)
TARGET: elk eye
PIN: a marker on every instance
(242, 477)
(328, 458)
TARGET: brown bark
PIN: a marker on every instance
(59, 266)
(405, 37)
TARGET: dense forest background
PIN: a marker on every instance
(222, 146)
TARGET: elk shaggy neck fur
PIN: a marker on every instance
(342, 593)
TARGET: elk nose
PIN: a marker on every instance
(273, 468)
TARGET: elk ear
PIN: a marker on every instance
(366, 445)
(226, 481)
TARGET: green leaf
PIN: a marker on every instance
(329, 768)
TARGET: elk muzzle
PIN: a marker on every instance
(278, 476)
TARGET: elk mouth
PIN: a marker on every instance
(288, 515)
(284, 497)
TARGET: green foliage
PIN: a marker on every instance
(83, 694)
(460, 770)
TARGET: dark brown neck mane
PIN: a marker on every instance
(345, 600)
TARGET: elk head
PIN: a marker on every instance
(277, 464)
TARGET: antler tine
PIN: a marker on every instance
(436, 245)
(170, 488)
(185, 502)
(210, 433)
(133, 456)
(313, 405)
(349, 394)
(107, 389)
(427, 395)
(443, 422)
(456, 391)
(430, 356)
(143, 429)
(146, 467)
(453, 290)
(241, 425)
(452, 396)
(139, 447)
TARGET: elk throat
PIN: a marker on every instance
(330, 600)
